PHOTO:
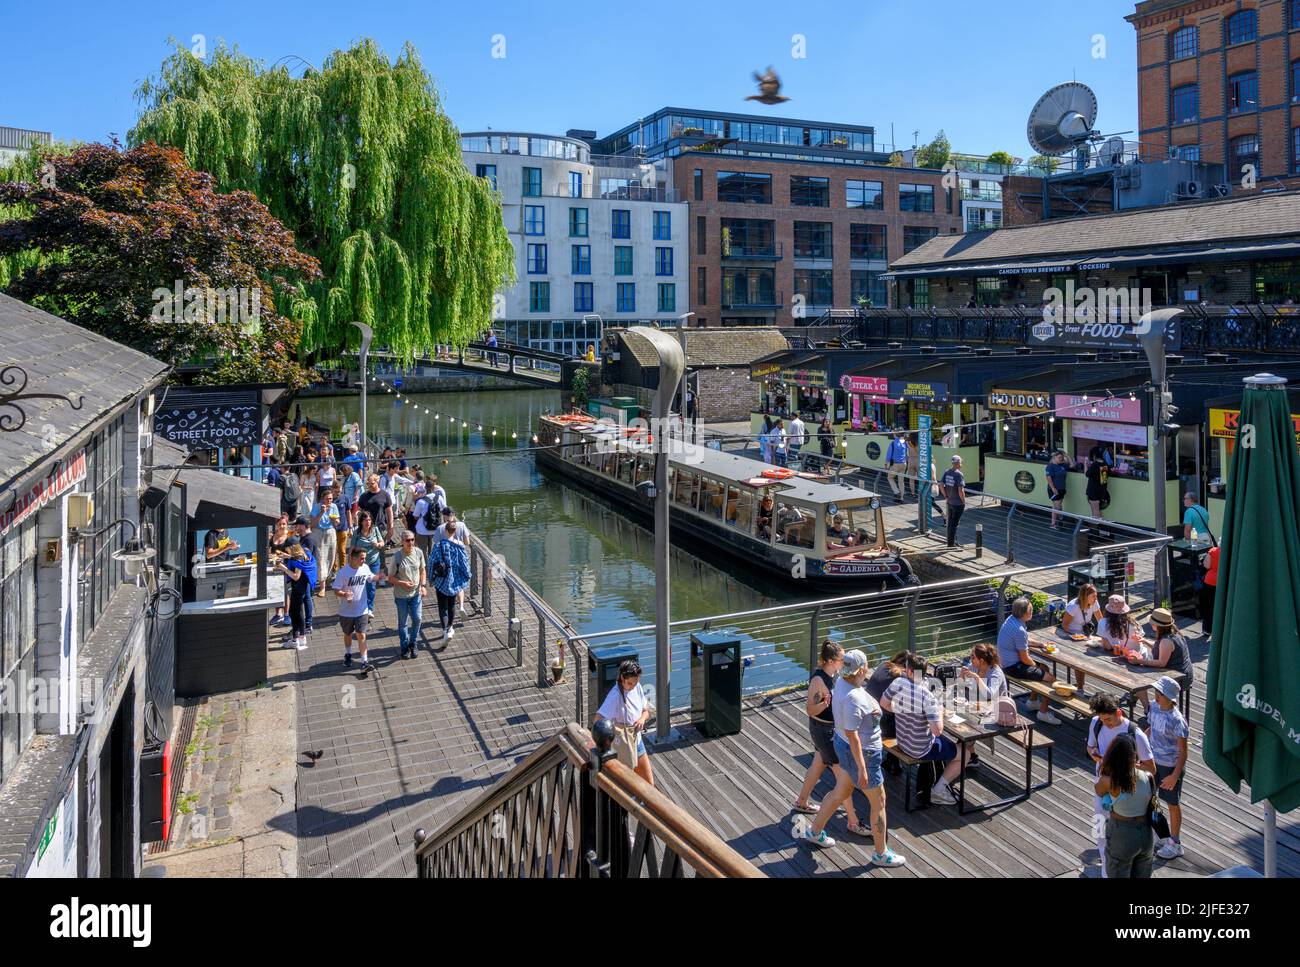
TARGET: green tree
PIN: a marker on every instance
(360, 162)
(1001, 158)
(104, 237)
(1044, 162)
(935, 154)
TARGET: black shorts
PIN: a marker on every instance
(823, 735)
(1060, 496)
(1171, 796)
(1027, 673)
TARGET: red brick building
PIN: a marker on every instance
(1219, 81)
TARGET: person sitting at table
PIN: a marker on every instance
(985, 674)
(1119, 632)
(1168, 650)
(217, 545)
(1083, 613)
(1014, 654)
(918, 720)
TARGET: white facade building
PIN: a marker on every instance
(597, 240)
(18, 141)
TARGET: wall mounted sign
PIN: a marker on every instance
(1113, 432)
(1109, 411)
(202, 427)
(873, 449)
(1024, 481)
(62, 478)
(765, 369)
(807, 378)
(1224, 424)
(907, 390)
(1057, 329)
(1019, 401)
(872, 385)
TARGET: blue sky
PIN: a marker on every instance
(972, 69)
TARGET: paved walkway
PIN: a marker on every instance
(406, 745)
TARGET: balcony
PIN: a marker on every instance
(982, 194)
(772, 252)
(768, 301)
(21, 139)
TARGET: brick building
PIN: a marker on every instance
(1219, 81)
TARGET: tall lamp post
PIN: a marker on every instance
(672, 363)
(367, 334)
(1151, 331)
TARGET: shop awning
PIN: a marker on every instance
(216, 499)
(1262, 250)
(988, 268)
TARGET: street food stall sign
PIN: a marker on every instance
(1103, 410)
(210, 427)
(1019, 401)
(807, 378)
(908, 390)
(1225, 423)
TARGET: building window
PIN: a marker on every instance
(1190, 152)
(626, 297)
(489, 172)
(620, 223)
(806, 192)
(584, 297)
(1240, 27)
(920, 293)
(581, 260)
(1295, 14)
(812, 240)
(982, 219)
(701, 235)
(667, 297)
(575, 184)
(536, 259)
(916, 198)
(749, 288)
(534, 220)
(1295, 146)
(663, 226)
(868, 286)
(663, 261)
(744, 188)
(701, 286)
(1244, 151)
(988, 291)
(1277, 281)
(17, 640)
(748, 238)
(699, 184)
(539, 297)
(815, 285)
(577, 223)
(532, 182)
(1183, 43)
(104, 459)
(1295, 77)
(864, 194)
(867, 242)
(622, 259)
(1184, 104)
(914, 237)
(1243, 92)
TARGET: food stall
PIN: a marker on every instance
(1221, 430)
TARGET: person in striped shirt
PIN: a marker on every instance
(918, 724)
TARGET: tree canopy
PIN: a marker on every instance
(1001, 158)
(935, 154)
(137, 246)
(360, 162)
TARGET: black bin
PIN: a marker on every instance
(602, 674)
(1114, 579)
(715, 683)
(1184, 568)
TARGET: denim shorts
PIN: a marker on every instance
(873, 758)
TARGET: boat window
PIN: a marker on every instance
(766, 512)
(850, 530)
(683, 486)
(746, 507)
(733, 505)
(794, 525)
(626, 463)
(713, 501)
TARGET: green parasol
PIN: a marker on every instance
(1252, 708)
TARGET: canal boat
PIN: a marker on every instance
(803, 527)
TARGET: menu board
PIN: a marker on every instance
(1112, 432)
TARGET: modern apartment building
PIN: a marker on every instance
(18, 141)
(788, 217)
(596, 239)
(1219, 81)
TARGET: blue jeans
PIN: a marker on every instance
(370, 595)
(408, 610)
(308, 608)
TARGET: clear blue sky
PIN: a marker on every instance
(973, 69)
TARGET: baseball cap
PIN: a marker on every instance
(956, 458)
(303, 521)
(854, 662)
(1167, 687)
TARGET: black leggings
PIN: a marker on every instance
(1205, 604)
(446, 609)
(297, 607)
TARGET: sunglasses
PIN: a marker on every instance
(408, 540)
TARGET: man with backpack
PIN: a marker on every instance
(290, 492)
(428, 514)
(1107, 722)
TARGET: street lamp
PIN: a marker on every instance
(367, 334)
(1151, 331)
(672, 363)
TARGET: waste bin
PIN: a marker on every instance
(602, 674)
(1113, 576)
(715, 683)
(1184, 569)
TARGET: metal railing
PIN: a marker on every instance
(22, 139)
(774, 251)
(572, 810)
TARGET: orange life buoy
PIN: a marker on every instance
(778, 473)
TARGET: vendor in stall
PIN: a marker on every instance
(218, 546)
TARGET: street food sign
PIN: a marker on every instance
(1090, 330)
(62, 478)
(1225, 423)
(1105, 410)
(210, 427)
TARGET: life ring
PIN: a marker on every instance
(778, 473)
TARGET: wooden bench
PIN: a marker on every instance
(1076, 705)
(891, 747)
(1039, 741)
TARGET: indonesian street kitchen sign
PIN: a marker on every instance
(1019, 401)
(62, 478)
(908, 390)
(210, 427)
(1109, 411)
(871, 385)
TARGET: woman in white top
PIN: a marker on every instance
(626, 704)
(1119, 632)
(1082, 611)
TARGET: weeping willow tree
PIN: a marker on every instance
(358, 160)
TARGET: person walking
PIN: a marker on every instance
(1098, 473)
(821, 727)
(826, 441)
(454, 530)
(626, 706)
(910, 482)
(352, 585)
(300, 568)
(378, 503)
(797, 438)
(450, 569)
(410, 584)
(1168, 732)
(324, 517)
(1130, 841)
(780, 444)
(859, 751)
(1205, 593)
(1106, 726)
(953, 487)
(367, 539)
(1058, 475)
(896, 462)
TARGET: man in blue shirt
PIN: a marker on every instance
(350, 490)
(1014, 654)
(1057, 472)
(273, 473)
(355, 460)
(896, 461)
(1195, 517)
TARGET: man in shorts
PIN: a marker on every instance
(1014, 656)
(350, 588)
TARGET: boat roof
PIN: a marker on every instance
(732, 466)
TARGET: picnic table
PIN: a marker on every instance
(1089, 658)
(978, 722)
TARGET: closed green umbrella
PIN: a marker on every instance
(1252, 707)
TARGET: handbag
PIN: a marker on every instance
(625, 742)
(1159, 823)
(1006, 710)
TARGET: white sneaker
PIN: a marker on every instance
(1047, 718)
(302, 644)
(290, 642)
(369, 613)
(942, 794)
(451, 633)
(1171, 850)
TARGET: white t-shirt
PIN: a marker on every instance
(797, 434)
(1078, 618)
(1105, 736)
(356, 579)
(459, 533)
(623, 708)
(421, 507)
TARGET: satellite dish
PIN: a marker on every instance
(1111, 153)
(1062, 119)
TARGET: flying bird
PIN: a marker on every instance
(770, 87)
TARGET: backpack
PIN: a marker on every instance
(1096, 731)
(290, 492)
(1007, 715)
(432, 515)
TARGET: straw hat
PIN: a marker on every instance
(1116, 604)
(1162, 617)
